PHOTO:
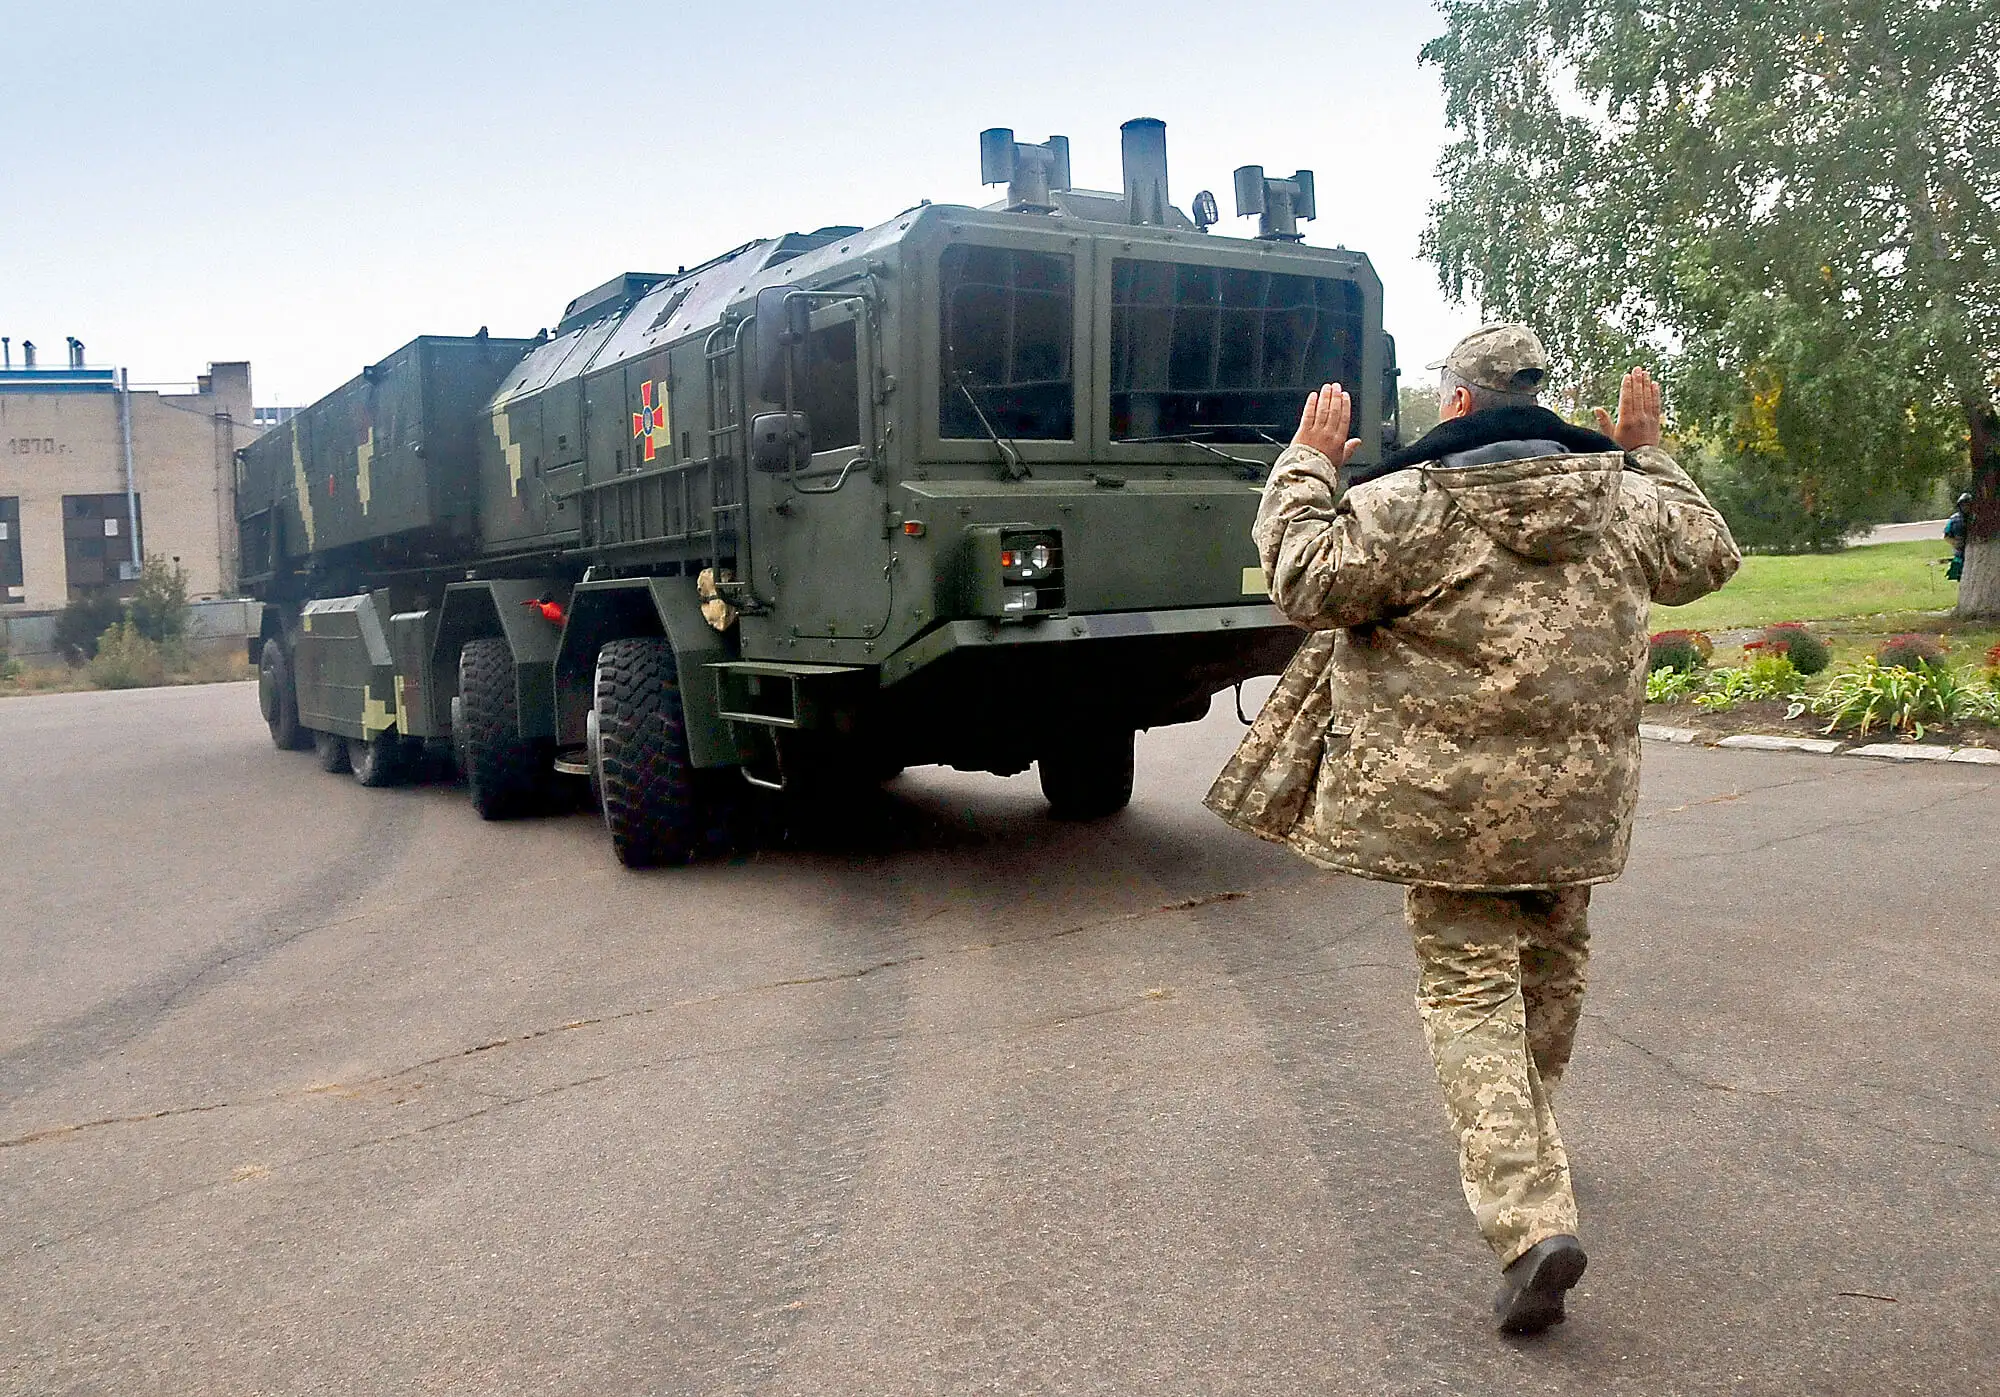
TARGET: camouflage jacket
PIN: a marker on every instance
(1474, 723)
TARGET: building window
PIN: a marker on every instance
(97, 542)
(1223, 353)
(12, 580)
(1007, 330)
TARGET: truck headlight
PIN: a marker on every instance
(1014, 572)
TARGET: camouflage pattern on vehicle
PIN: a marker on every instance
(971, 486)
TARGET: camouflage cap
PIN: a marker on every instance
(1505, 358)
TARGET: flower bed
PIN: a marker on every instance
(1908, 688)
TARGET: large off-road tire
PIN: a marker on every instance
(278, 697)
(506, 774)
(647, 785)
(330, 751)
(380, 761)
(1088, 776)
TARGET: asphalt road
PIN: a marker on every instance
(309, 1088)
(1932, 529)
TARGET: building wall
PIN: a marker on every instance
(54, 444)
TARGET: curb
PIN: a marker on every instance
(1826, 746)
(1770, 742)
(1927, 752)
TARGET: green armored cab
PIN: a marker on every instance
(970, 487)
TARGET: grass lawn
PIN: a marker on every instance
(1861, 582)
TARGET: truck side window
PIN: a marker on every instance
(1006, 320)
(1223, 352)
(830, 396)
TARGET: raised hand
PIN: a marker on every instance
(1324, 424)
(1638, 412)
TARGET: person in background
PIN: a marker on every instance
(1954, 532)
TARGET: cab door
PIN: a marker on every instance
(820, 535)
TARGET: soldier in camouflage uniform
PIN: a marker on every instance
(1466, 721)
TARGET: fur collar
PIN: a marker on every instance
(1495, 424)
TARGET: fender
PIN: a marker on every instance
(625, 608)
(493, 608)
(343, 671)
(273, 626)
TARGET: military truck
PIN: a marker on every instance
(973, 486)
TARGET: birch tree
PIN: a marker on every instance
(1791, 207)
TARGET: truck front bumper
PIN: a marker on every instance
(1257, 631)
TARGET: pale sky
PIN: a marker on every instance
(308, 186)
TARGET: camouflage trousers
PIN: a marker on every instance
(1500, 989)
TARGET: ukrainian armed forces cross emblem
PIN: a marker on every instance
(649, 423)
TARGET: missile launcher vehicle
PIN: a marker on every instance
(970, 487)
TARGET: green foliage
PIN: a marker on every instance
(127, 659)
(1808, 653)
(79, 624)
(1419, 408)
(1791, 211)
(1910, 652)
(1684, 651)
(159, 605)
(1905, 700)
(1669, 685)
(1765, 677)
(1771, 510)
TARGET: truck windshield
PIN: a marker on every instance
(1007, 319)
(1224, 354)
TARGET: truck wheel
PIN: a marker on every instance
(379, 761)
(646, 781)
(279, 699)
(1088, 778)
(506, 774)
(330, 751)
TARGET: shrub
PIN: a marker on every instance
(159, 606)
(79, 624)
(1993, 658)
(1669, 685)
(125, 659)
(1764, 677)
(1807, 652)
(1683, 651)
(1906, 698)
(1909, 652)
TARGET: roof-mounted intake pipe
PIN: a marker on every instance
(1276, 204)
(1143, 143)
(1030, 172)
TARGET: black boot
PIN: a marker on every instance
(1532, 1286)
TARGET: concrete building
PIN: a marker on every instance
(94, 475)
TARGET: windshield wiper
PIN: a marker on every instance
(1252, 469)
(1011, 465)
